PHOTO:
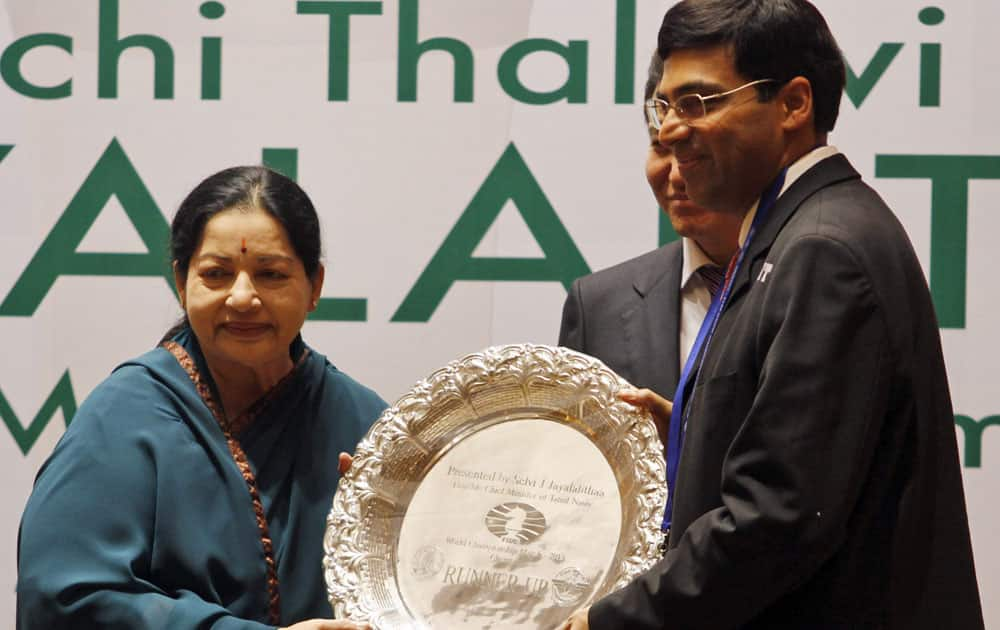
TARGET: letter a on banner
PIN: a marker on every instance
(510, 180)
(112, 175)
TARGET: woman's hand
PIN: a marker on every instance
(344, 462)
(578, 620)
(328, 624)
(657, 405)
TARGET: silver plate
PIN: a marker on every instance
(504, 491)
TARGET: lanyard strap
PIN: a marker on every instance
(695, 359)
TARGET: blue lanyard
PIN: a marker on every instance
(678, 421)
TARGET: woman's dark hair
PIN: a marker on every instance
(249, 187)
(771, 39)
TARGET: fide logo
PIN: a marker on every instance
(517, 523)
(427, 562)
(569, 586)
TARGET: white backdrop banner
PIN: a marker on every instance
(468, 159)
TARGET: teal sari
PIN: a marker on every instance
(156, 511)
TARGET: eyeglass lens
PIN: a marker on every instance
(687, 107)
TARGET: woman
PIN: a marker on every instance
(191, 489)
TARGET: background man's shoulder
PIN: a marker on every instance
(641, 273)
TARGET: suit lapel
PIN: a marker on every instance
(830, 171)
(651, 324)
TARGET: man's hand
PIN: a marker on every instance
(328, 624)
(344, 462)
(577, 621)
(657, 405)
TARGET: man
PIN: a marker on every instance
(819, 484)
(641, 317)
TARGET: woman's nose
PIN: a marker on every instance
(243, 294)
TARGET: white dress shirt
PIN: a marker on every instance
(695, 298)
(795, 171)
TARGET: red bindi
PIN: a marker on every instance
(243, 248)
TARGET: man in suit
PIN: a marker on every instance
(818, 484)
(641, 316)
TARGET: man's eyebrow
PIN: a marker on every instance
(705, 88)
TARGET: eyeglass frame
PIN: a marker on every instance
(657, 123)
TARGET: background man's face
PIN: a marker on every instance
(728, 157)
(686, 217)
(709, 228)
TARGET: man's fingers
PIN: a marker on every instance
(577, 621)
(657, 405)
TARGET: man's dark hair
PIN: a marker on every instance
(771, 39)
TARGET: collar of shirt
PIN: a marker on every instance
(693, 258)
(795, 170)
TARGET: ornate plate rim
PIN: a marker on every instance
(582, 379)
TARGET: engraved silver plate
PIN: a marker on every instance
(506, 490)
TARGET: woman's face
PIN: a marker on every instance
(246, 293)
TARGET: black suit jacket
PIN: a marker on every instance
(819, 483)
(627, 316)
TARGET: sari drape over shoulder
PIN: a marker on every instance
(156, 511)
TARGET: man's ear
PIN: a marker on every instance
(180, 285)
(796, 100)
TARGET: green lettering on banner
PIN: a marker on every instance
(339, 38)
(973, 432)
(574, 90)
(667, 233)
(61, 398)
(949, 175)
(4, 150)
(10, 66)
(930, 75)
(340, 310)
(211, 68)
(930, 61)
(510, 179)
(286, 162)
(857, 87)
(110, 49)
(410, 51)
(625, 51)
(113, 175)
(211, 55)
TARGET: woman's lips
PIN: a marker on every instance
(245, 329)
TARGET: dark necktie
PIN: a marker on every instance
(713, 277)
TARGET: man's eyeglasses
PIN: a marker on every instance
(690, 107)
